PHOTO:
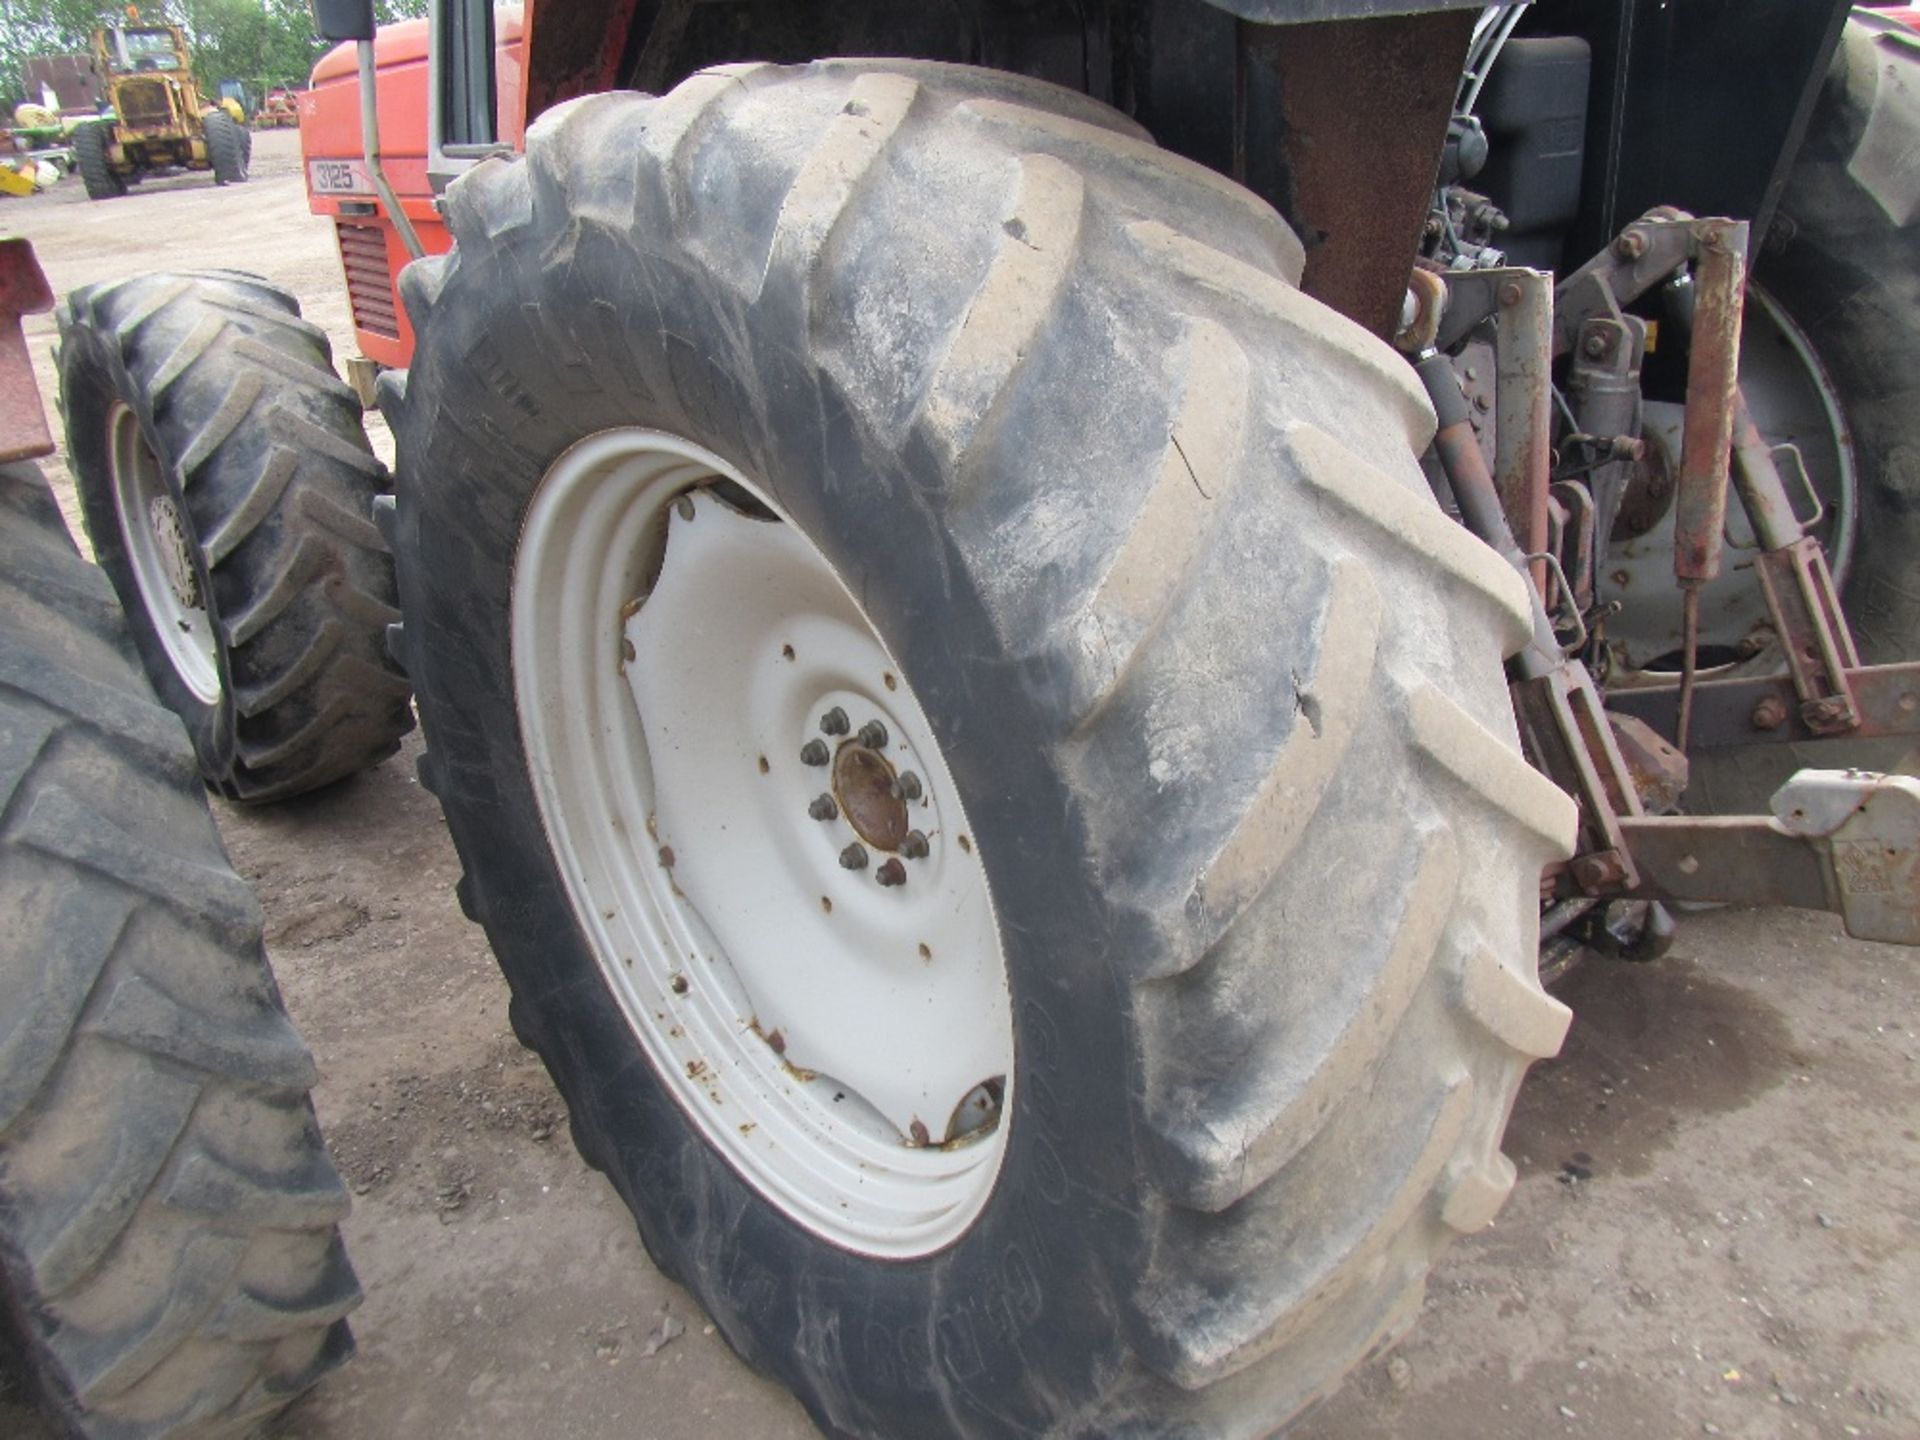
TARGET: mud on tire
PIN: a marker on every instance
(268, 469)
(1219, 684)
(170, 1260)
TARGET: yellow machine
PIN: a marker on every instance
(160, 121)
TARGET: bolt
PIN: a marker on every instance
(1630, 245)
(1600, 871)
(891, 873)
(914, 847)
(1595, 345)
(835, 722)
(1510, 294)
(814, 752)
(1471, 374)
(854, 857)
(873, 735)
(1769, 714)
(1482, 403)
(908, 785)
(684, 505)
(821, 807)
(1832, 713)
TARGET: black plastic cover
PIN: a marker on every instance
(342, 19)
(1534, 108)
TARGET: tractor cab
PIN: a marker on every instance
(143, 49)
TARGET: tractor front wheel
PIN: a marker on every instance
(90, 144)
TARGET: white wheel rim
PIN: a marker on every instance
(159, 552)
(833, 1037)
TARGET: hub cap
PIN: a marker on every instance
(762, 842)
(160, 554)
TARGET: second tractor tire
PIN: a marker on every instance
(250, 510)
(1220, 685)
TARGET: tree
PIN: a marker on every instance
(253, 41)
(41, 27)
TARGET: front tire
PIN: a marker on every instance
(225, 478)
(228, 147)
(96, 170)
(1126, 510)
(170, 1257)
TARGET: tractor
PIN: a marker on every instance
(1036, 645)
(160, 121)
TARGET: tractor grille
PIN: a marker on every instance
(143, 104)
(363, 255)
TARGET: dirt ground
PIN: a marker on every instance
(1715, 1231)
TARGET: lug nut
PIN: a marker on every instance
(873, 735)
(914, 847)
(814, 752)
(908, 785)
(823, 808)
(891, 873)
(854, 857)
(1770, 713)
(835, 722)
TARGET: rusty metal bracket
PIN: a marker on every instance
(1713, 378)
(1813, 633)
(1838, 840)
(23, 291)
(1886, 700)
(1519, 302)
(1649, 252)
(1566, 732)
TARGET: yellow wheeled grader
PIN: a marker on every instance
(160, 120)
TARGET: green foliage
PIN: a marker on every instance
(257, 42)
(41, 27)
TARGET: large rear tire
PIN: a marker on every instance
(1216, 685)
(170, 1258)
(228, 147)
(225, 480)
(1843, 260)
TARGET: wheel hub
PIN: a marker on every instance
(160, 553)
(868, 793)
(803, 943)
(176, 561)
